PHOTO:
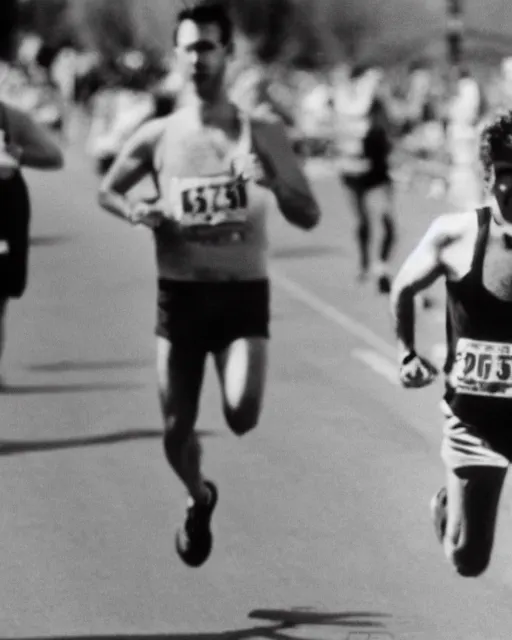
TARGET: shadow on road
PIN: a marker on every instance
(16, 447)
(357, 625)
(39, 389)
(49, 241)
(290, 253)
(66, 366)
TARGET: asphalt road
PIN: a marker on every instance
(322, 530)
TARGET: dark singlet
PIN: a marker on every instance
(479, 346)
(14, 227)
(364, 146)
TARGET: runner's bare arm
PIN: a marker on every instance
(133, 164)
(419, 271)
(286, 178)
(30, 144)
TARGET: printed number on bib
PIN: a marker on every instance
(483, 368)
(201, 202)
(215, 213)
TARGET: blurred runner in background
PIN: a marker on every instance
(364, 151)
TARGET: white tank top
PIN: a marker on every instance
(353, 124)
(222, 215)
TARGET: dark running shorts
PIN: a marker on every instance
(367, 182)
(211, 315)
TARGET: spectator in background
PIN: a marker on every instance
(23, 143)
(465, 111)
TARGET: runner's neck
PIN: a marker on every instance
(214, 112)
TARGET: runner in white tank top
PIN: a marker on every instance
(218, 175)
(220, 208)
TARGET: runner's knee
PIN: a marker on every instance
(470, 561)
(389, 237)
(469, 556)
(388, 222)
(178, 425)
(363, 230)
(177, 435)
(244, 419)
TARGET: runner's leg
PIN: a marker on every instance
(384, 193)
(465, 511)
(242, 369)
(473, 495)
(3, 314)
(358, 203)
(180, 378)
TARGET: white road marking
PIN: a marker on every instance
(329, 312)
(378, 363)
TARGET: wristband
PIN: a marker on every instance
(409, 357)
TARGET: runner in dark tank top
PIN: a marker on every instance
(473, 253)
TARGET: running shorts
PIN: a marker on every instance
(366, 182)
(211, 315)
(466, 446)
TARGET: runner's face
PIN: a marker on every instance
(501, 187)
(201, 56)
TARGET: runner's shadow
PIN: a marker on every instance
(362, 624)
(67, 366)
(18, 447)
(48, 241)
(57, 389)
(304, 616)
(290, 253)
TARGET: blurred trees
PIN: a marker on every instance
(49, 18)
(299, 33)
(8, 22)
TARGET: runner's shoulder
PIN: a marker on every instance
(182, 120)
(149, 133)
(450, 228)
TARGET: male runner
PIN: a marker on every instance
(211, 166)
(364, 148)
(473, 252)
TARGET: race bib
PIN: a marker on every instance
(215, 213)
(482, 368)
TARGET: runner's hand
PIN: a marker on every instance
(253, 168)
(148, 214)
(417, 372)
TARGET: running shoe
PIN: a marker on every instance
(384, 284)
(194, 541)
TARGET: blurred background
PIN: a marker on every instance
(112, 63)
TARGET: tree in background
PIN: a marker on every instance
(297, 33)
(105, 26)
(9, 17)
(50, 19)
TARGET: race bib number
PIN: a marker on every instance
(483, 368)
(198, 203)
(215, 213)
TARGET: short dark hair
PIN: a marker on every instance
(207, 13)
(496, 141)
